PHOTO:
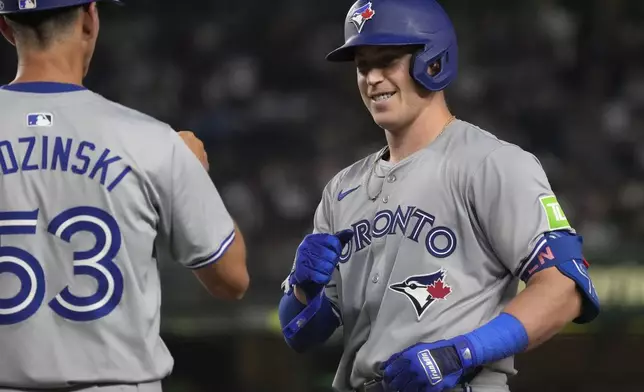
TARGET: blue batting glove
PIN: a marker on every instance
(316, 259)
(429, 367)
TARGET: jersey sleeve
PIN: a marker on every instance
(514, 205)
(194, 219)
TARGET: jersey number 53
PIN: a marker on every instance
(96, 262)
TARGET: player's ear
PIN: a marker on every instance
(91, 22)
(7, 31)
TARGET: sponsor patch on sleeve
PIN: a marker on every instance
(554, 213)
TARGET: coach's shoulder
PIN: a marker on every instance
(149, 145)
(132, 120)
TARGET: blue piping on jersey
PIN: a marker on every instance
(43, 87)
(223, 247)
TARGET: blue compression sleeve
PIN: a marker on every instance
(502, 337)
(318, 328)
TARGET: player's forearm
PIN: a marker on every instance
(549, 302)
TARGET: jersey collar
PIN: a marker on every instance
(43, 87)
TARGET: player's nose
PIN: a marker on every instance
(374, 76)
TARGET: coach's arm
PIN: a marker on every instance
(228, 277)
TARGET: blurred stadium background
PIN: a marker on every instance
(561, 78)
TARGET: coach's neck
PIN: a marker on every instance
(420, 132)
(57, 64)
(59, 51)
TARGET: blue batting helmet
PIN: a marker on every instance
(404, 22)
(20, 6)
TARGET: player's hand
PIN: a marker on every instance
(429, 367)
(316, 259)
(196, 146)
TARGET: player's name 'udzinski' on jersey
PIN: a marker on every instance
(64, 154)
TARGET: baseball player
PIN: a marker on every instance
(418, 249)
(92, 196)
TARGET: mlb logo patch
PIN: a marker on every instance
(40, 120)
(361, 15)
(27, 4)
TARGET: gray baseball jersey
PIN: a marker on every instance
(440, 240)
(92, 196)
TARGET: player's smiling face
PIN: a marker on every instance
(387, 89)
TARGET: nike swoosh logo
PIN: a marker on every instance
(344, 194)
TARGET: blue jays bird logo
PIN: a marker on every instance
(361, 15)
(423, 290)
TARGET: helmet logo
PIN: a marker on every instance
(1, 5)
(361, 15)
(27, 4)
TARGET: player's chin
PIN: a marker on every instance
(385, 120)
(384, 111)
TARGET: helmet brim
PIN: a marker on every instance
(347, 51)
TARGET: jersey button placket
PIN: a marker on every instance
(391, 178)
(375, 291)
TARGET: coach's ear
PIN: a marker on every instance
(91, 22)
(7, 31)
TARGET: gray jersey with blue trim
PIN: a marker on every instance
(92, 196)
(440, 241)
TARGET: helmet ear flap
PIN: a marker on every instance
(412, 66)
(412, 61)
(433, 73)
(433, 68)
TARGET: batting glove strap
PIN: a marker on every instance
(464, 351)
(456, 355)
(447, 359)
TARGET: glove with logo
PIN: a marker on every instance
(428, 367)
(316, 259)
